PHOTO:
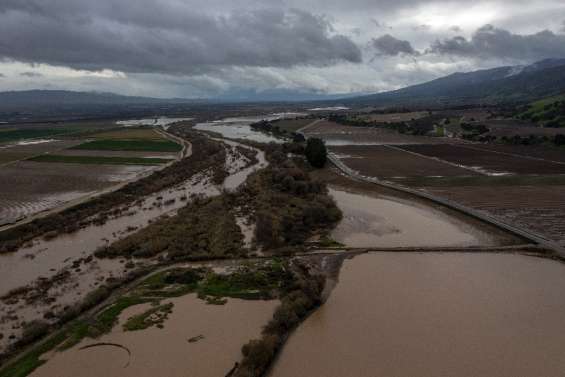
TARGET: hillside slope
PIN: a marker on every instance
(499, 85)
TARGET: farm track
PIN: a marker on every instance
(535, 238)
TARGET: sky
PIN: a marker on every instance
(239, 49)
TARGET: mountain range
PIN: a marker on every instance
(509, 84)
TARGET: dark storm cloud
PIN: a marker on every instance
(492, 42)
(390, 46)
(31, 74)
(165, 37)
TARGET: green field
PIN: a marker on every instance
(131, 145)
(23, 134)
(100, 160)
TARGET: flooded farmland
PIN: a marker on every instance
(196, 340)
(71, 254)
(379, 221)
(432, 314)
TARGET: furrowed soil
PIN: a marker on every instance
(486, 160)
(384, 161)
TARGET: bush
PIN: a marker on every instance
(33, 331)
(316, 152)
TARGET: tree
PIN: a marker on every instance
(316, 152)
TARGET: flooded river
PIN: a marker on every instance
(239, 127)
(435, 315)
(379, 221)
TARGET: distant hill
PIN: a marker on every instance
(509, 84)
(63, 97)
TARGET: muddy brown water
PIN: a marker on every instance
(167, 351)
(46, 258)
(432, 314)
(381, 221)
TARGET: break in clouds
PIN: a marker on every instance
(191, 48)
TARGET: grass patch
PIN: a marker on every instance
(327, 241)
(100, 160)
(23, 134)
(31, 361)
(130, 145)
(152, 317)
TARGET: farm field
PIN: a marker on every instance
(131, 145)
(42, 174)
(129, 134)
(337, 134)
(548, 153)
(292, 125)
(28, 187)
(385, 162)
(16, 134)
(539, 208)
(395, 117)
(21, 151)
(520, 185)
(102, 160)
(485, 161)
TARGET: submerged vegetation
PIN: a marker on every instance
(287, 205)
(298, 300)
(205, 228)
(262, 280)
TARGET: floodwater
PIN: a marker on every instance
(168, 352)
(236, 167)
(163, 122)
(44, 258)
(47, 258)
(435, 315)
(239, 127)
(388, 222)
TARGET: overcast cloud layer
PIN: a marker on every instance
(188, 48)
